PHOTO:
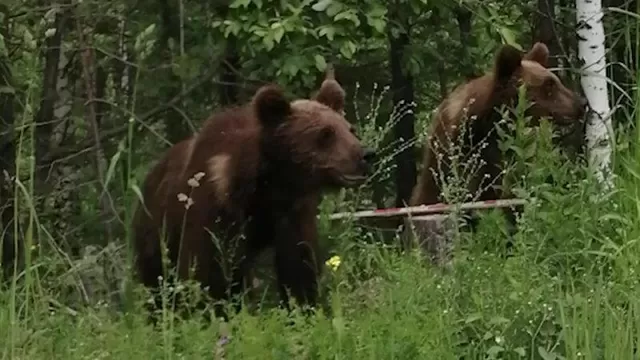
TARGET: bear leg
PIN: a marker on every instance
(296, 263)
(296, 276)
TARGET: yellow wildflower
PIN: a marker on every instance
(333, 262)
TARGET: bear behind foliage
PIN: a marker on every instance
(476, 104)
(252, 178)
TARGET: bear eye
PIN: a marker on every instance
(325, 137)
(549, 84)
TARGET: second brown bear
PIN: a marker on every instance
(476, 104)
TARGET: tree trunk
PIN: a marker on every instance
(463, 17)
(591, 49)
(176, 126)
(108, 212)
(49, 95)
(229, 77)
(230, 63)
(436, 22)
(11, 246)
(403, 93)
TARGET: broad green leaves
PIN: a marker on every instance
(509, 37)
(321, 63)
(503, 26)
(321, 5)
(296, 39)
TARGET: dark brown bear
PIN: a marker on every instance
(481, 99)
(249, 180)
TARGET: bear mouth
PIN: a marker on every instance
(352, 180)
(565, 121)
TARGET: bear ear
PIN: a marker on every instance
(271, 105)
(331, 93)
(507, 63)
(538, 53)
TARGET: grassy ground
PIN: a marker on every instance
(570, 291)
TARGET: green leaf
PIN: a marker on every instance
(136, 190)
(520, 351)
(473, 317)
(348, 15)
(321, 5)
(291, 68)
(327, 31)
(509, 37)
(144, 38)
(268, 41)
(347, 49)
(530, 151)
(498, 320)
(240, 3)
(545, 354)
(3, 48)
(495, 350)
(231, 27)
(113, 163)
(377, 23)
(321, 64)
(146, 33)
(334, 9)
(278, 34)
(7, 90)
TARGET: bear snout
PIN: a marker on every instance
(370, 155)
(583, 105)
(368, 158)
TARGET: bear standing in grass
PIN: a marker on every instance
(249, 180)
(476, 105)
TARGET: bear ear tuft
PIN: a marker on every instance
(271, 105)
(538, 53)
(331, 93)
(508, 61)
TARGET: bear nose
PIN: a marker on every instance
(583, 103)
(369, 155)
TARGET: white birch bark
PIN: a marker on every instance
(591, 49)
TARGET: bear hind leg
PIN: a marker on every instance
(297, 273)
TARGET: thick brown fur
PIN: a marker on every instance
(252, 177)
(476, 104)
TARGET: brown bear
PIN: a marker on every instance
(477, 104)
(249, 180)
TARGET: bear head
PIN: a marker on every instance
(307, 143)
(546, 94)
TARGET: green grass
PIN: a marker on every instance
(571, 291)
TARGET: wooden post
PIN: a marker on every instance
(434, 234)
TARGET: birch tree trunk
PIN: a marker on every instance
(591, 49)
